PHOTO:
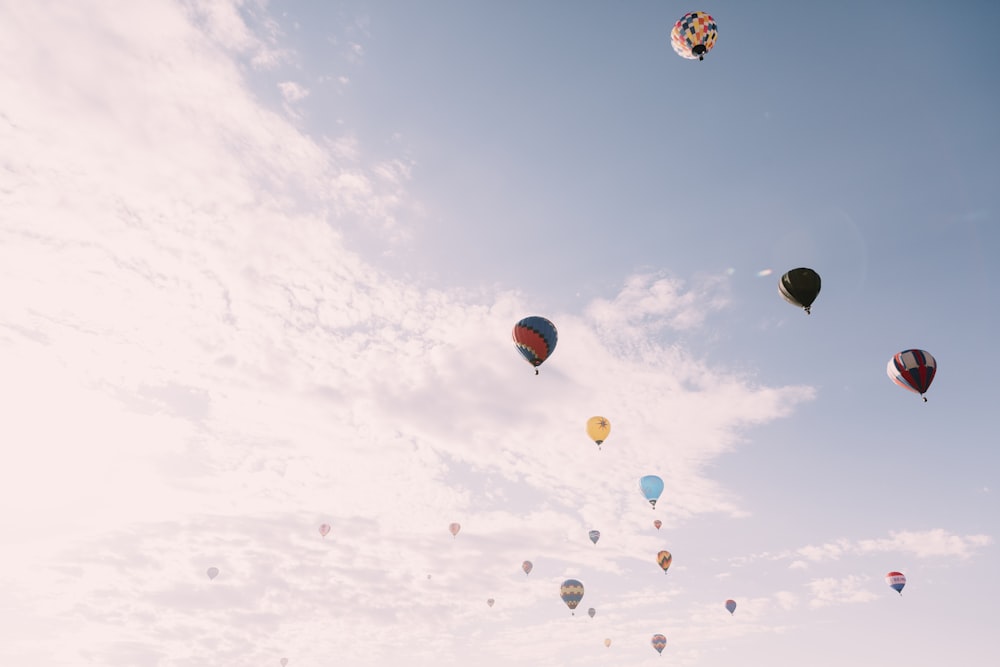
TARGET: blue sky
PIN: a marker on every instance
(259, 267)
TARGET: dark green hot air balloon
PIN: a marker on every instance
(800, 287)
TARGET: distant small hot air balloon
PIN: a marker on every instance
(659, 642)
(213, 572)
(657, 523)
(694, 35)
(324, 529)
(912, 370)
(651, 487)
(664, 559)
(598, 428)
(571, 592)
(526, 566)
(284, 661)
(607, 642)
(896, 581)
(591, 612)
(535, 338)
(800, 287)
(731, 606)
(454, 528)
(490, 602)
(595, 535)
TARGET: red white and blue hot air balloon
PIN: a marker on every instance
(896, 581)
(912, 370)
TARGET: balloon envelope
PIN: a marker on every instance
(571, 592)
(652, 487)
(694, 35)
(607, 642)
(659, 642)
(454, 528)
(913, 370)
(657, 523)
(284, 661)
(800, 287)
(213, 572)
(595, 535)
(526, 566)
(535, 338)
(591, 612)
(664, 558)
(896, 581)
(731, 606)
(324, 529)
(598, 428)
(490, 602)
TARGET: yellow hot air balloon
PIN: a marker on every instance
(607, 642)
(598, 428)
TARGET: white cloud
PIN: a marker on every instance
(847, 590)
(293, 92)
(197, 372)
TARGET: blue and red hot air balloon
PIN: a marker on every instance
(535, 338)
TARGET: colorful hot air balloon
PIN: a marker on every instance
(652, 487)
(535, 338)
(526, 566)
(657, 523)
(730, 606)
(598, 428)
(607, 642)
(800, 287)
(694, 35)
(664, 559)
(490, 602)
(454, 528)
(591, 612)
(213, 572)
(595, 535)
(659, 642)
(913, 370)
(896, 581)
(324, 529)
(571, 592)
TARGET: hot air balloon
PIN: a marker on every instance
(800, 287)
(324, 529)
(490, 602)
(284, 661)
(694, 35)
(607, 642)
(571, 592)
(664, 559)
(659, 642)
(652, 487)
(598, 428)
(591, 612)
(896, 581)
(595, 535)
(730, 606)
(526, 566)
(213, 572)
(535, 338)
(454, 528)
(657, 523)
(913, 370)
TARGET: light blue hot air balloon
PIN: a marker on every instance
(595, 535)
(652, 487)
